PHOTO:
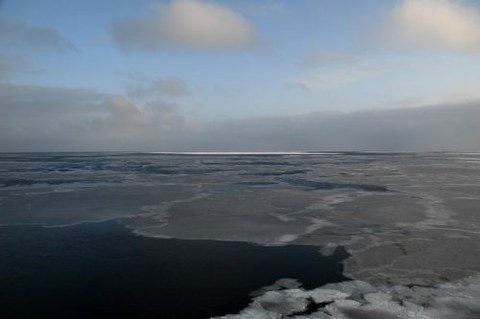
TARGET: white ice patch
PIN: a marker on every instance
(285, 239)
(328, 249)
(358, 300)
(317, 224)
(284, 283)
(437, 214)
(283, 302)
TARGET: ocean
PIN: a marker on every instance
(200, 235)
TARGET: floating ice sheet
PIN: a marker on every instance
(360, 300)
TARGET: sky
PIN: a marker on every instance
(252, 75)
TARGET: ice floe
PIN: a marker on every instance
(361, 300)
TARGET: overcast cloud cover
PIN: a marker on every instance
(186, 75)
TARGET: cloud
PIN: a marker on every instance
(330, 79)
(187, 24)
(327, 70)
(438, 24)
(127, 120)
(146, 88)
(121, 114)
(32, 100)
(431, 128)
(11, 65)
(36, 118)
(17, 35)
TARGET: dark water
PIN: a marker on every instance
(102, 270)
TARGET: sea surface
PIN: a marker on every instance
(240, 235)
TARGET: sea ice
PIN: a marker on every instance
(360, 300)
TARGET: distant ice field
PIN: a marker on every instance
(406, 220)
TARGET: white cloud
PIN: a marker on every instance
(187, 24)
(446, 24)
(127, 120)
(123, 115)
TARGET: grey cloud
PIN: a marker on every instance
(122, 116)
(11, 65)
(43, 119)
(166, 114)
(433, 128)
(18, 35)
(29, 100)
(186, 24)
(127, 120)
(39, 118)
(34, 117)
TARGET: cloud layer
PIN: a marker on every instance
(42, 119)
(12, 64)
(187, 24)
(441, 127)
(444, 24)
